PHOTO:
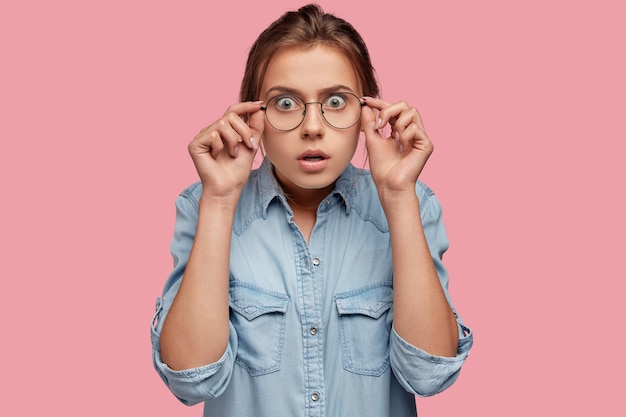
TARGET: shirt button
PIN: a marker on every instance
(313, 330)
(328, 203)
(315, 396)
(316, 261)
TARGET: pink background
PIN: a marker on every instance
(524, 101)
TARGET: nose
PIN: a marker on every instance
(313, 124)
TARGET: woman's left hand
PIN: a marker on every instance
(395, 161)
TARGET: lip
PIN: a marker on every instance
(313, 160)
(312, 153)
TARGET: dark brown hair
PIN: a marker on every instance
(306, 27)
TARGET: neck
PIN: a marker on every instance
(302, 199)
(306, 200)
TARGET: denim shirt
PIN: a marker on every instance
(310, 324)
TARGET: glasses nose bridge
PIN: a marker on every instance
(314, 102)
(321, 104)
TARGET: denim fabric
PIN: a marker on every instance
(310, 324)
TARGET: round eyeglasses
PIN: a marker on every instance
(286, 112)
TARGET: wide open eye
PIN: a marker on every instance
(335, 102)
(286, 103)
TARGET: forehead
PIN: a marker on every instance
(309, 70)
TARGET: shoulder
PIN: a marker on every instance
(193, 192)
(187, 200)
(365, 203)
(365, 200)
(424, 192)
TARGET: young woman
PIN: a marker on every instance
(308, 286)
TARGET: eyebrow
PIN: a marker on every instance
(295, 92)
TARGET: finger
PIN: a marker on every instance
(215, 143)
(407, 117)
(369, 123)
(244, 131)
(379, 105)
(415, 117)
(254, 126)
(391, 112)
(206, 142)
(413, 137)
(245, 107)
(228, 128)
(256, 123)
(375, 102)
(405, 135)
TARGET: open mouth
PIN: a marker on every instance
(313, 160)
(313, 155)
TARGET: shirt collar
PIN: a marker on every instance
(269, 189)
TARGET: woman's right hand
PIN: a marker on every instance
(224, 151)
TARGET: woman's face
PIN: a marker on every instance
(314, 154)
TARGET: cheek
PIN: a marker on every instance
(274, 144)
(348, 141)
(356, 136)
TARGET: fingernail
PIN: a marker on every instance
(236, 151)
(378, 123)
(253, 143)
(258, 102)
(397, 136)
(366, 98)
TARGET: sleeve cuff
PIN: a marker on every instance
(195, 385)
(192, 386)
(424, 374)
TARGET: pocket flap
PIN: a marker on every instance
(251, 301)
(371, 301)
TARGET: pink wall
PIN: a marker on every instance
(525, 104)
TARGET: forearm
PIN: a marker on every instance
(196, 329)
(422, 315)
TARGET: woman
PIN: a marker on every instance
(308, 286)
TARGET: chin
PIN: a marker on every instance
(315, 183)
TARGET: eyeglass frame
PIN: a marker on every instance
(362, 103)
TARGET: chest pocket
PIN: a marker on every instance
(258, 316)
(364, 328)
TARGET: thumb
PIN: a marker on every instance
(368, 123)
(256, 122)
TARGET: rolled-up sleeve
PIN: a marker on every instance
(190, 386)
(424, 374)
(418, 371)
